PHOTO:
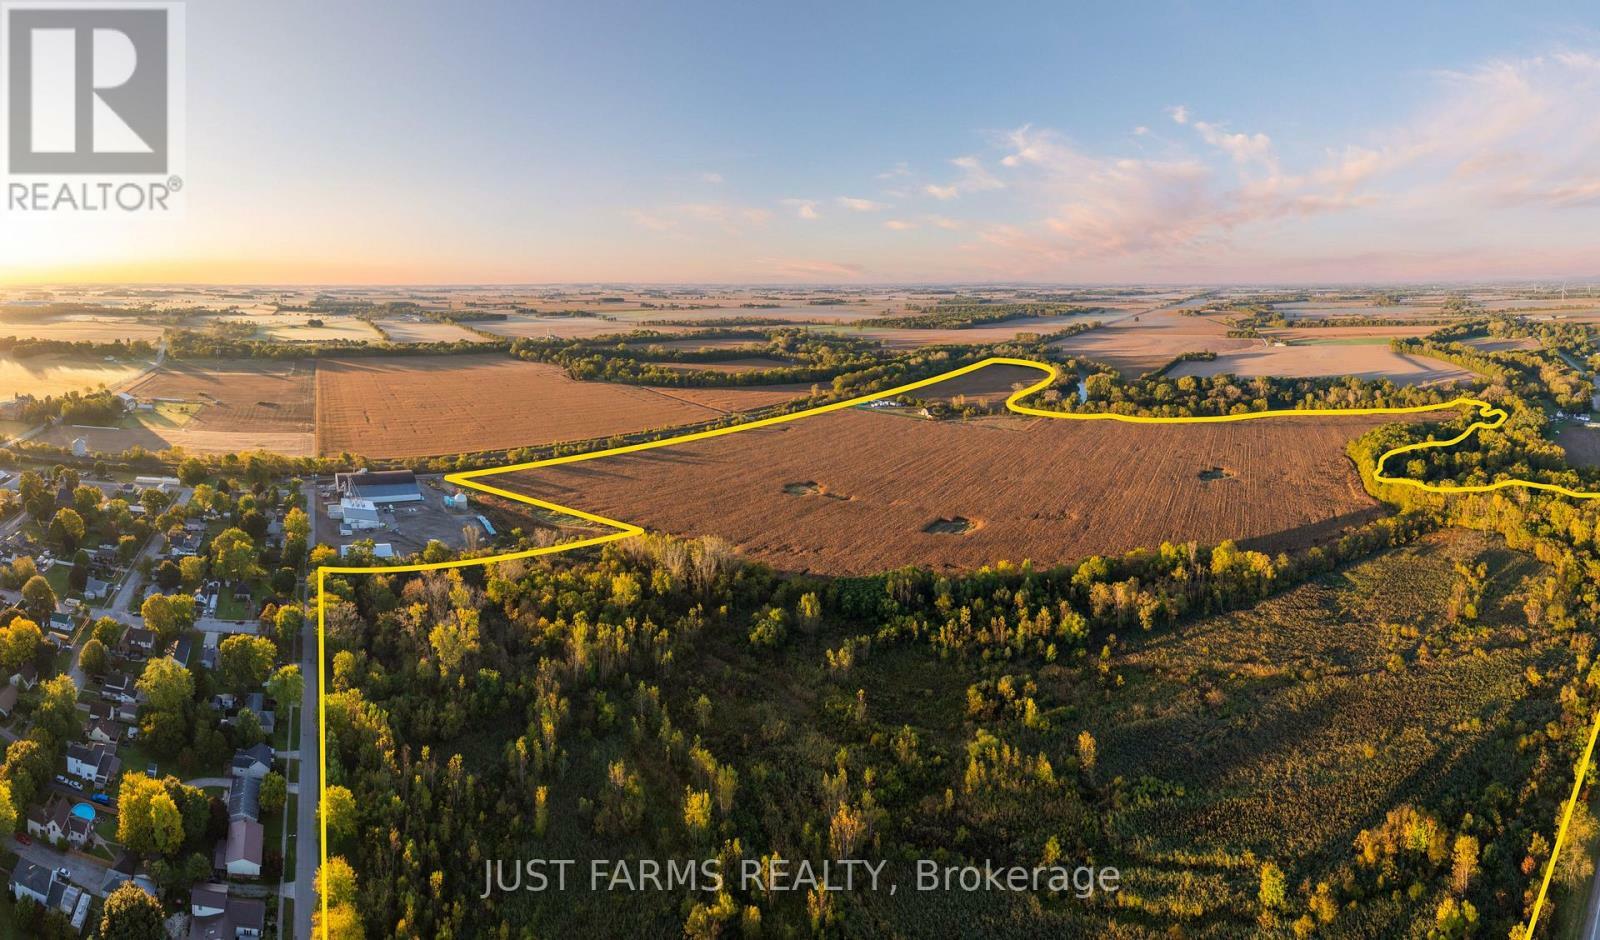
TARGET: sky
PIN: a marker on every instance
(413, 141)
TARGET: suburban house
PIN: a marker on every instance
(251, 762)
(95, 589)
(181, 650)
(102, 731)
(118, 687)
(96, 763)
(54, 821)
(139, 641)
(257, 703)
(32, 881)
(213, 915)
(26, 677)
(244, 799)
(8, 700)
(61, 626)
(381, 487)
(240, 853)
(50, 889)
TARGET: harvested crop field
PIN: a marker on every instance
(748, 364)
(903, 338)
(79, 328)
(1134, 347)
(425, 331)
(561, 327)
(242, 405)
(1582, 444)
(990, 385)
(55, 374)
(737, 398)
(418, 406)
(857, 492)
(1365, 361)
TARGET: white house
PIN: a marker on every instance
(241, 852)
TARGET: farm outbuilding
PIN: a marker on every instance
(383, 486)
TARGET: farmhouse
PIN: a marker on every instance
(381, 487)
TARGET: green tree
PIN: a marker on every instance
(274, 791)
(94, 658)
(67, 529)
(19, 643)
(233, 554)
(192, 471)
(286, 687)
(166, 684)
(339, 809)
(167, 616)
(1273, 887)
(246, 661)
(130, 914)
(39, 599)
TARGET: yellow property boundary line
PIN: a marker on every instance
(1490, 418)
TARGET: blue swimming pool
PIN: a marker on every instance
(83, 811)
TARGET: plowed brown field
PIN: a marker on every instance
(419, 406)
(856, 492)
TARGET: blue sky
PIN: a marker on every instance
(539, 142)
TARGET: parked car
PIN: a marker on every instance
(150, 769)
(76, 785)
(24, 838)
(104, 799)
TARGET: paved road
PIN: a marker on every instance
(307, 849)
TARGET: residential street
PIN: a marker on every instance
(307, 849)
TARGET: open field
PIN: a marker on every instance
(858, 492)
(1365, 361)
(419, 406)
(425, 331)
(55, 374)
(739, 397)
(897, 338)
(79, 327)
(1581, 444)
(1496, 344)
(1134, 347)
(749, 364)
(241, 405)
(563, 327)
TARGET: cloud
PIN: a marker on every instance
(899, 225)
(1179, 113)
(732, 219)
(804, 208)
(855, 204)
(900, 170)
(712, 178)
(812, 269)
(974, 179)
(944, 222)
